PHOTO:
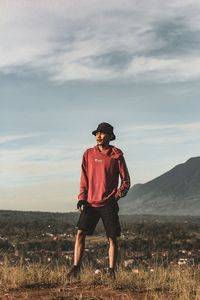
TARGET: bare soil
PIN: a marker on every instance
(73, 291)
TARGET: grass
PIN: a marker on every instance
(173, 282)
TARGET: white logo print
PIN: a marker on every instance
(98, 160)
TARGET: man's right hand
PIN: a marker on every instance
(81, 205)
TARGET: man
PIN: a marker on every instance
(101, 167)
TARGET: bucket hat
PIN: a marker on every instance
(105, 128)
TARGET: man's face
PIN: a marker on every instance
(102, 138)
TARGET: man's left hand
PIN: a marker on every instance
(81, 205)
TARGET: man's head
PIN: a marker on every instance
(102, 139)
(104, 134)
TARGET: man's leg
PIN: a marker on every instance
(110, 218)
(79, 247)
(112, 252)
(87, 222)
(78, 253)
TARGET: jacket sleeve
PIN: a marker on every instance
(125, 179)
(84, 179)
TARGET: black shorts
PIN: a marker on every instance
(90, 216)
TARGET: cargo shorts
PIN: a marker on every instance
(90, 216)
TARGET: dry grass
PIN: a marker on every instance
(174, 282)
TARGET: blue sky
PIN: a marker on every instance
(67, 66)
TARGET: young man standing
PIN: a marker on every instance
(101, 166)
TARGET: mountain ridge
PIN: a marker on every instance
(175, 192)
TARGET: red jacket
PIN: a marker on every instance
(100, 173)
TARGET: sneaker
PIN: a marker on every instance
(111, 273)
(74, 272)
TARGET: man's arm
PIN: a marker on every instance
(125, 179)
(84, 179)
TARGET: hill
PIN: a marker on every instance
(176, 192)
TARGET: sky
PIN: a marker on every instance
(66, 66)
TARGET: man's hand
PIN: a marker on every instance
(81, 205)
(117, 196)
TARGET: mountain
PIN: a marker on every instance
(176, 192)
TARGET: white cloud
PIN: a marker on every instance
(10, 138)
(161, 134)
(42, 162)
(184, 126)
(67, 40)
(162, 140)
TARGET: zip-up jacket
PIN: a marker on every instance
(100, 172)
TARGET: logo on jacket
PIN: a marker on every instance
(98, 160)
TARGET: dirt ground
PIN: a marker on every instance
(71, 291)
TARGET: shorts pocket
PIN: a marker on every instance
(114, 204)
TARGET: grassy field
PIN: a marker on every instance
(36, 281)
(155, 244)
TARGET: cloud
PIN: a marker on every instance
(161, 134)
(101, 40)
(46, 160)
(12, 138)
(148, 127)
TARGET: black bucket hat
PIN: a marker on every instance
(106, 128)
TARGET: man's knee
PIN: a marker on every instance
(112, 241)
(81, 235)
